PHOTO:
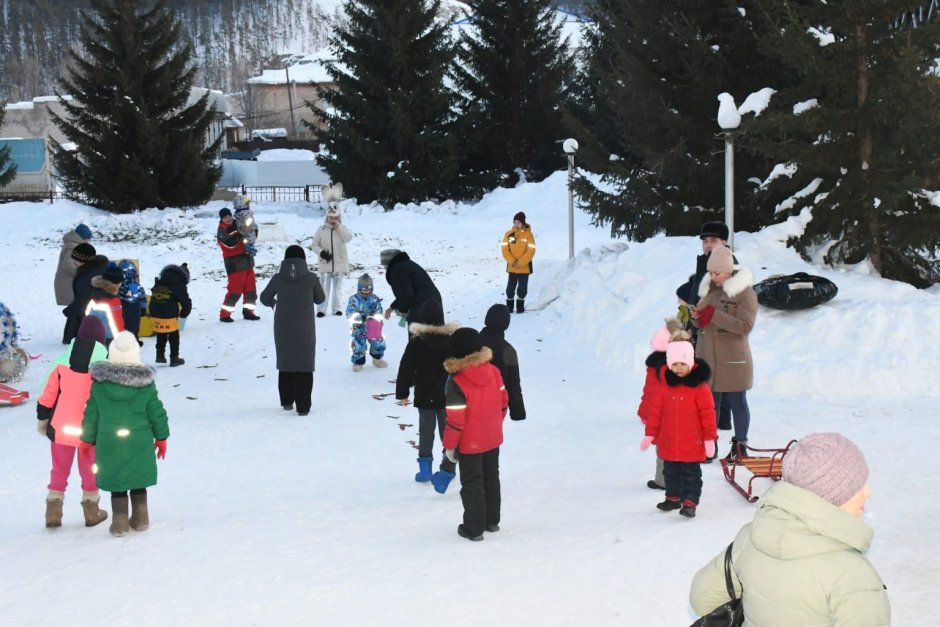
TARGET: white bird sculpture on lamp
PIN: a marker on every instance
(728, 116)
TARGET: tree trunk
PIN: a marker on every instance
(866, 152)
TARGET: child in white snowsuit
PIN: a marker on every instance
(364, 312)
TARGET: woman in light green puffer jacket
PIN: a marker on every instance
(801, 561)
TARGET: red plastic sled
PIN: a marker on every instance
(766, 466)
(11, 396)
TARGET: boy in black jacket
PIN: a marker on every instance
(169, 301)
(504, 357)
(422, 366)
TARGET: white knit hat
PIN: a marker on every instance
(124, 349)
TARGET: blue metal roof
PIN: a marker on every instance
(29, 155)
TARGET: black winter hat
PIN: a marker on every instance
(714, 229)
(113, 274)
(295, 252)
(84, 252)
(431, 312)
(386, 255)
(497, 317)
(224, 212)
(465, 341)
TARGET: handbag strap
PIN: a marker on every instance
(728, 581)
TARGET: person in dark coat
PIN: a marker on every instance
(169, 303)
(504, 357)
(422, 366)
(410, 283)
(294, 293)
(90, 264)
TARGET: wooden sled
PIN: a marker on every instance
(12, 396)
(767, 464)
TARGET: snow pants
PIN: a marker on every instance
(62, 458)
(683, 480)
(360, 343)
(333, 290)
(241, 284)
(428, 419)
(517, 286)
(479, 490)
(174, 340)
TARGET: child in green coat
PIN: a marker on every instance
(125, 421)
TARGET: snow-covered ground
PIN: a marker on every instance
(264, 518)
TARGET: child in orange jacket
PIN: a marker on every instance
(682, 424)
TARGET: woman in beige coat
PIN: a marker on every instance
(801, 561)
(329, 243)
(725, 315)
(66, 270)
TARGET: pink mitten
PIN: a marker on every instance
(645, 444)
(709, 449)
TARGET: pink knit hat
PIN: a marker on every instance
(681, 352)
(827, 464)
(721, 260)
(660, 340)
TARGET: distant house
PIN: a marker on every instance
(278, 97)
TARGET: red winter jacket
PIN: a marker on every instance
(682, 415)
(230, 240)
(66, 393)
(476, 404)
(655, 361)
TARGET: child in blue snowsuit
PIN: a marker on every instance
(364, 312)
(133, 297)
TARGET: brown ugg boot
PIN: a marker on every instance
(119, 525)
(54, 508)
(93, 514)
(140, 518)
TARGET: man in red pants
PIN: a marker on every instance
(239, 266)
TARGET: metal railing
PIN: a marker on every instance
(306, 193)
(27, 196)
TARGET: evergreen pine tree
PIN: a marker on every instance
(7, 167)
(137, 143)
(511, 73)
(860, 130)
(388, 136)
(655, 70)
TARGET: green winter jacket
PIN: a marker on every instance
(122, 419)
(800, 562)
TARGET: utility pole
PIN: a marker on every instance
(290, 103)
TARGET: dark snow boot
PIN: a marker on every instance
(424, 469)
(520, 305)
(492, 527)
(652, 485)
(463, 534)
(511, 304)
(119, 522)
(671, 503)
(688, 508)
(161, 358)
(441, 479)
(249, 314)
(738, 450)
(176, 361)
(140, 516)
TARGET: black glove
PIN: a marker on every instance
(326, 255)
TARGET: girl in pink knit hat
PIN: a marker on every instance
(654, 362)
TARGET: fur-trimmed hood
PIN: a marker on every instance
(453, 365)
(699, 374)
(105, 286)
(419, 329)
(128, 375)
(656, 359)
(742, 279)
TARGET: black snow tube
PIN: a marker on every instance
(795, 291)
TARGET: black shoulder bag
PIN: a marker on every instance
(729, 614)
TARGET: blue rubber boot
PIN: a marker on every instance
(424, 469)
(441, 479)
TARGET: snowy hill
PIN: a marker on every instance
(264, 518)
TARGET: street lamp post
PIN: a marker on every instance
(290, 104)
(729, 119)
(570, 146)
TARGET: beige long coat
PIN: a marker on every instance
(66, 269)
(723, 344)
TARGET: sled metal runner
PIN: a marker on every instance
(766, 464)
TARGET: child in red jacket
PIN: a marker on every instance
(476, 407)
(682, 424)
(654, 363)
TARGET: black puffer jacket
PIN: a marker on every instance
(422, 364)
(504, 357)
(410, 284)
(169, 297)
